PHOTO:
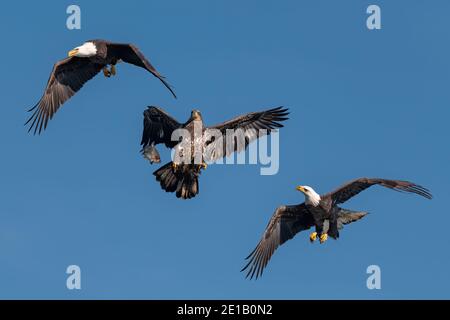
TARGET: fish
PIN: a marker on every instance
(151, 154)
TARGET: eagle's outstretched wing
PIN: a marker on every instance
(285, 223)
(67, 77)
(129, 53)
(354, 187)
(252, 126)
(158, 128)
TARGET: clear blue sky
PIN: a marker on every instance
(363, 103)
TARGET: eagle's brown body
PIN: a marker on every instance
(182, 178)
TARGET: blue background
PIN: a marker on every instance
(363, 103)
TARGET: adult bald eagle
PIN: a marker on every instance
(203, 144)
(319, 211)
(83, 63)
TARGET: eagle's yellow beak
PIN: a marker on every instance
(73, 52)
(300, 188)
(196, 115)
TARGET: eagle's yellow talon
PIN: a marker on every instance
(202, 166)
(106, 72)
(174, 166)
(323, 237)
(313, 237)
(113, 70)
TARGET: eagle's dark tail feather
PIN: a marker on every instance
(346, 216)
(184, 181)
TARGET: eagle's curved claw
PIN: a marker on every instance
(113, 70)
(202, 166)
(313, 237)
(106, 72)
(323, 238)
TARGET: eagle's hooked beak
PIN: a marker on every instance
(301, 189)
(73, 52)
(196, 115)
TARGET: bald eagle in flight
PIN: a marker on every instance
(319, 211)
(83, 63)
(181, 177)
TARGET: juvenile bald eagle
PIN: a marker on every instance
(83, 63)
(319, 211)
(182, 176)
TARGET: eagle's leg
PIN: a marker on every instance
(320, 231)
(313, 237)
(174, 166)
(323, 237)
(106, 72)
(113, 69)
(202, 166)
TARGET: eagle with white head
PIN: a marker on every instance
(84, 62)
(319, 211)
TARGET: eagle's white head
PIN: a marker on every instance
(311, 196)
(87, 49)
